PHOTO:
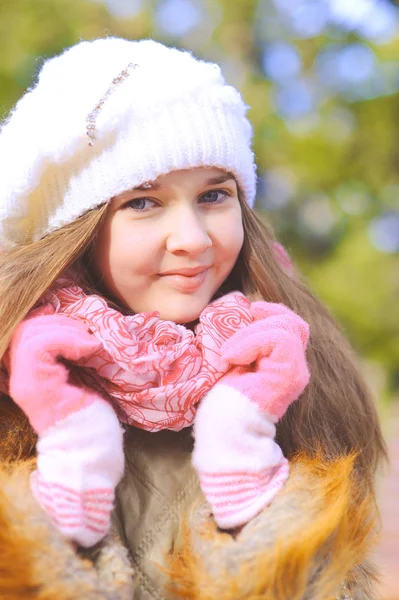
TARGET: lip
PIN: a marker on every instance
(188, 272)
(186, 283)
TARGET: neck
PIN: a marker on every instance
(191, 325)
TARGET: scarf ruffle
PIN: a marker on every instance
(156, 371)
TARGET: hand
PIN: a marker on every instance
(275, 346)
(80, 456)
(240, 466)
(80, 461)
(39, 382)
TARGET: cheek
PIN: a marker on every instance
(230, 236)
(102, 250)
(110, 251)
(122, 250)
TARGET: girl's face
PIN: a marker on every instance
(168, 246)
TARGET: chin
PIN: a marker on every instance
(181, 319)
(184, 314)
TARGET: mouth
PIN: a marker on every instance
(186, 283)
(188, 271)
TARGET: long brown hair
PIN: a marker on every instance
(335, 415)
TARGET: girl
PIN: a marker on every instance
(130, 256)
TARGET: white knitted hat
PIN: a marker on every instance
(149, 109)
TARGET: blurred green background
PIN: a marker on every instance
(322, 80)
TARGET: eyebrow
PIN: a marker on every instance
(211, 181)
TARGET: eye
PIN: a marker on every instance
(140, 204)
(215, 196)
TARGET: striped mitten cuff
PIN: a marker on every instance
(236, 498)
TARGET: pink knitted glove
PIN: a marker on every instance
(80, 447)
(240, 466)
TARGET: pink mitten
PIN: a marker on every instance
(276, 345)
(240, 466)
(80, 448)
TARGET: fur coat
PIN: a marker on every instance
(311, 543)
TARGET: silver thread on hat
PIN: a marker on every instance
(92, 117)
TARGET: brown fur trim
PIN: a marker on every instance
(17, 438)
(314, 535)
(37, 564)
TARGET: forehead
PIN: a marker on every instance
(199, 176)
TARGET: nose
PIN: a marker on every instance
(188, 232)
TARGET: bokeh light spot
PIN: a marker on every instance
(124, 9)
(384, 232)
(178, 17)
(281, 61)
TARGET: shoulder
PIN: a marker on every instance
(314, 536)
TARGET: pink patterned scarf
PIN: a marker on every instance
(155, 371)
